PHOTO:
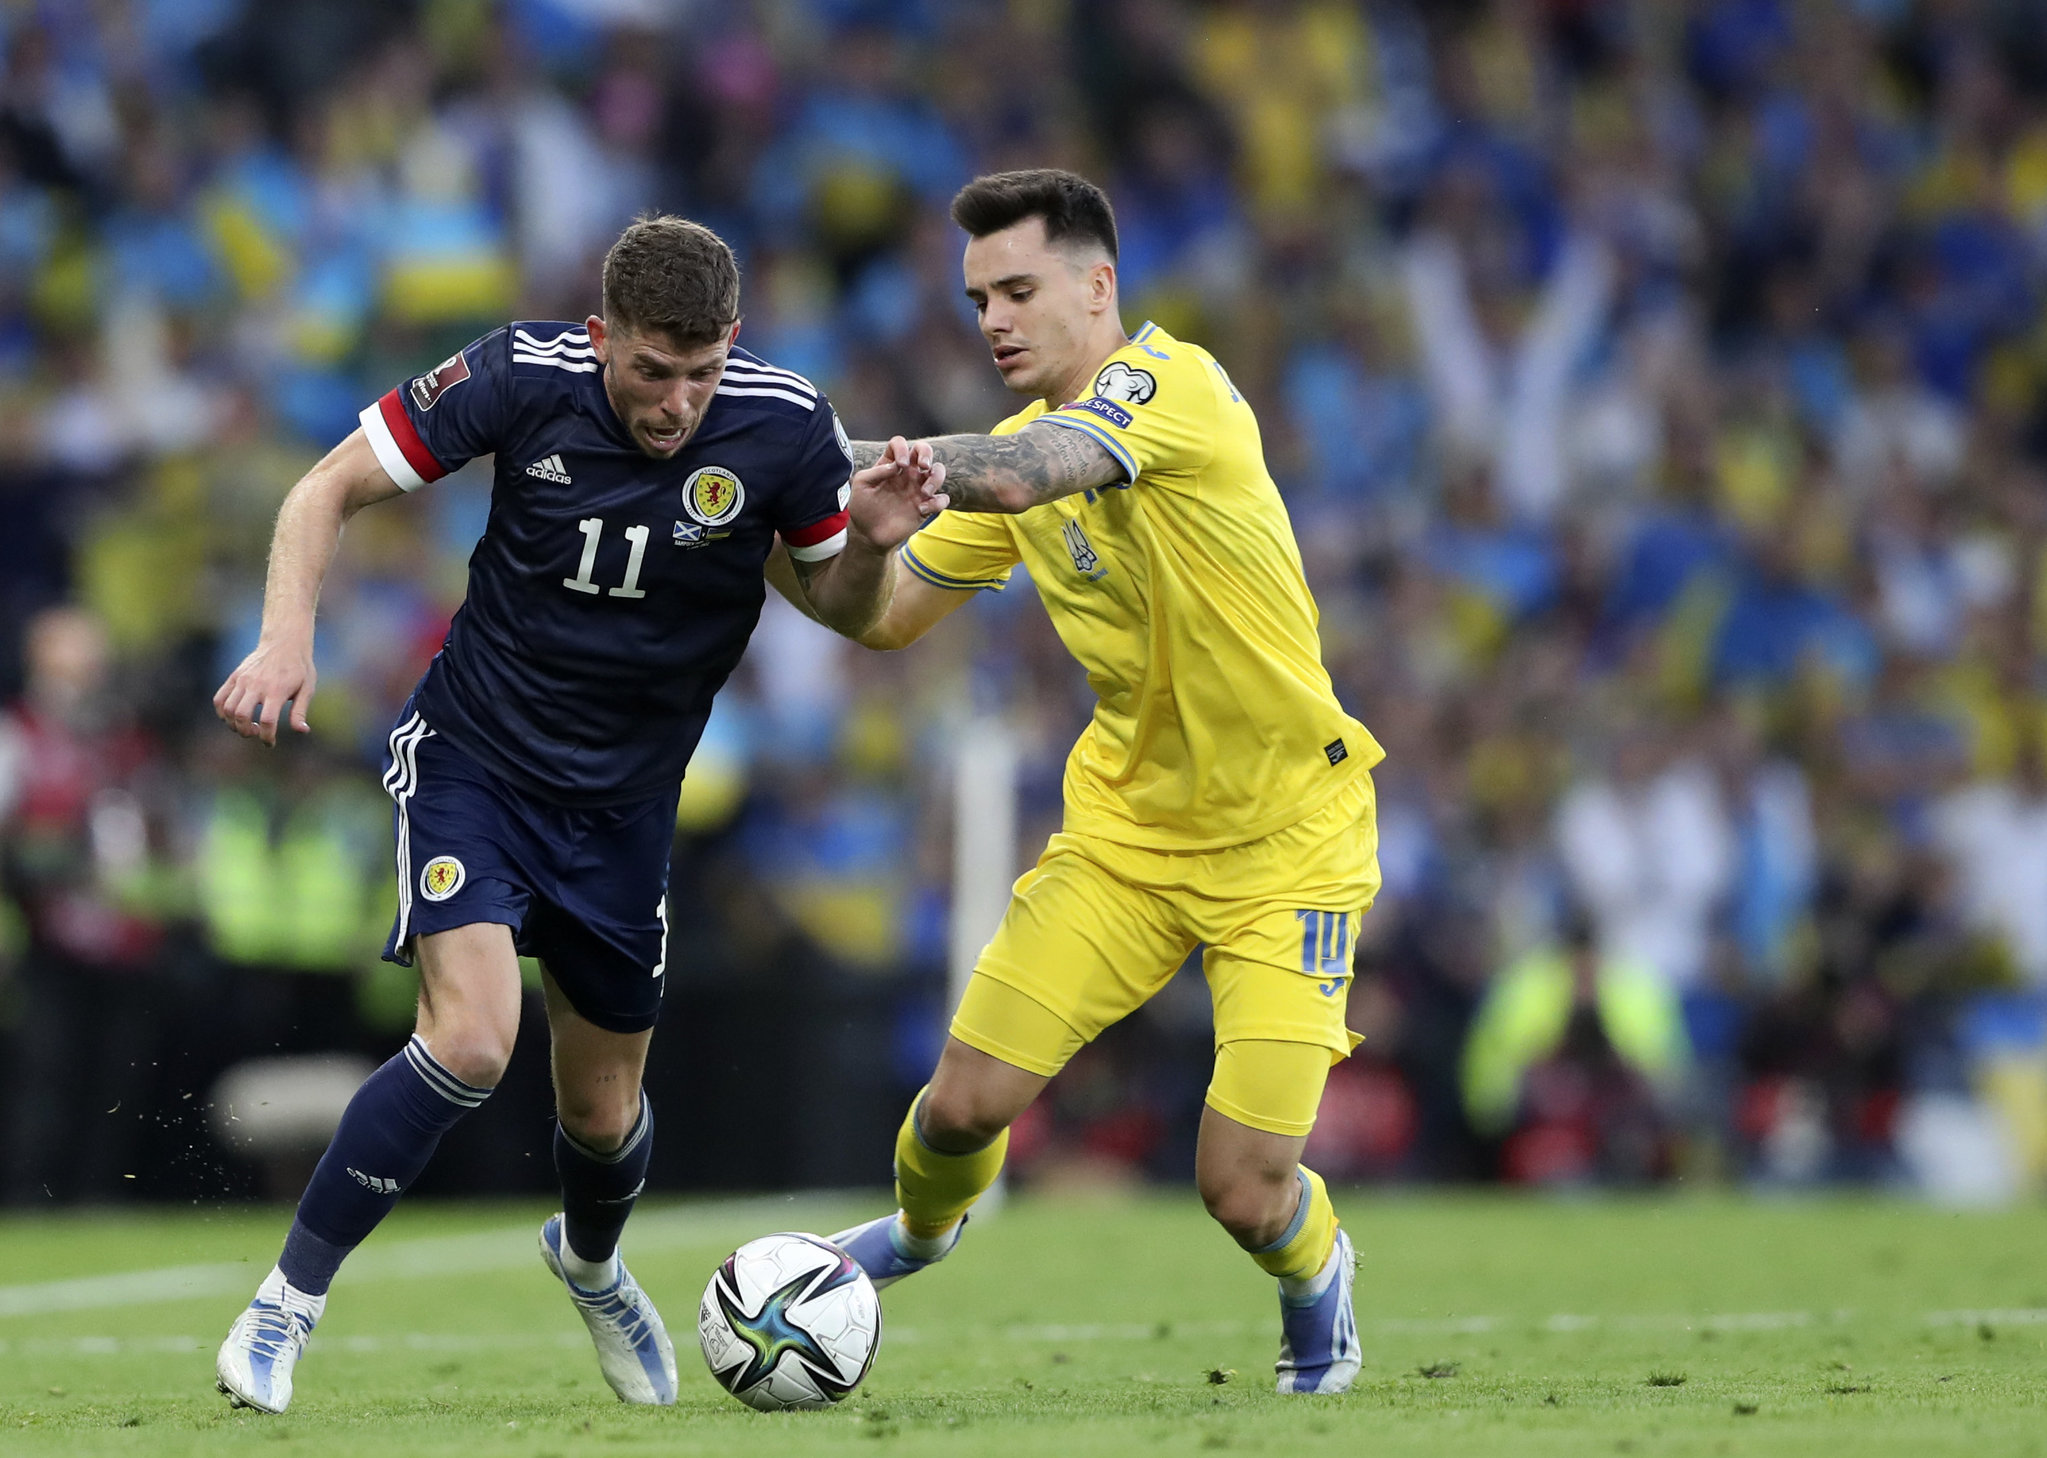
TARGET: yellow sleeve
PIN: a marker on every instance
(1152, 408)
(963, 551)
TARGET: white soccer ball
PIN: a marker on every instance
(789, 1321)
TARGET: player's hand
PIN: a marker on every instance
(931, 496)
(253, 698)
(892, 497)
(927, 475)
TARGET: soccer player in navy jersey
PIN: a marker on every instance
(644, 469)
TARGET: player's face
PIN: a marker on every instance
(1037, 304)
(659, 389)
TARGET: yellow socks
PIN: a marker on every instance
(935, 1189)
(1303, 1250)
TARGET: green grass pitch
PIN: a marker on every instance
(1077, 1327)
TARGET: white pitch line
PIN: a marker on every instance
(1054, 1334)
(417, 1341)
(2010, 1316)
(1724, 1321)
(129, 1288)
(1121, 1331)
(468, 1254)
(1439, 1326)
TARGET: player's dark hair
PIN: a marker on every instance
(1071, 206)
(672, 276)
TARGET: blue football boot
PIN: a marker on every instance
(880, 1248)
(1318, 1342)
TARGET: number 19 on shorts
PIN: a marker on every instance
(1325, 945)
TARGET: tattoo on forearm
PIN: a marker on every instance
(1016, 472)
(1011, 473)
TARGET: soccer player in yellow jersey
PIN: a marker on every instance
(1221, 797)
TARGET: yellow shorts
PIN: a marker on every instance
(1095, 929)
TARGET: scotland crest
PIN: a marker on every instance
(712, 495)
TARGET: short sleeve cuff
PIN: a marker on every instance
(399, 449)
(820, 540)
(946, 580)
(1096, 433)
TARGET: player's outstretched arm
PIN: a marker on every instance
(1013, 473)
(308, 531)
(889, 499)
(915, 607)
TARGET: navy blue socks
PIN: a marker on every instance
(387, 1134)
(598, 1190)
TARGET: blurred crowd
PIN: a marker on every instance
(1657, 389)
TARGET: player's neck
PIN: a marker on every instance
(1080, 384)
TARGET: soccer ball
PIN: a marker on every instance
(789, 1321)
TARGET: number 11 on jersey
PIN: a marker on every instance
(592, 528)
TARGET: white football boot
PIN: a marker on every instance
(633, 1350)
(1318, 1341)
(255, 1362)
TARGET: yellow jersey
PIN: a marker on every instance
(1180, 591)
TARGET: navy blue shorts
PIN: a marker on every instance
(585, 891)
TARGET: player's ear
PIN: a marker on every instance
(733, 338)
(600, 341)
(1102, 286)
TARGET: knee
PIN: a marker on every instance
(1254, 1207)
(602, 1123)
(474, 1051)
(955, 1117)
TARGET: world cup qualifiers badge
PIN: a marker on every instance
(712, 497)
(436, 382)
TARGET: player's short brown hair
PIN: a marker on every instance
(673, 276)
(1073, 209)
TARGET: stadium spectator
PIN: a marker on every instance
(294, 897)
(86, 856)
(1576, 1061)
(1649, 849)
(1994, 836)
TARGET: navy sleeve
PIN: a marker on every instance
(812, 516)
(446, 417)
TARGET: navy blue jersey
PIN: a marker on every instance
(611, 593)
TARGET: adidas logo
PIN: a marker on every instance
(550, 468)
(376, 1184)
